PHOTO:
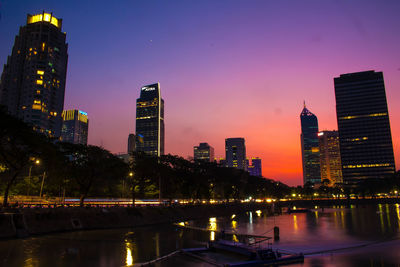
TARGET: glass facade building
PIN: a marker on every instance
(33, 80)
(75, 127)
(329, 150)
(203, 152)
(235, 151)
(366, 147)
(310, 147)
(150, 120)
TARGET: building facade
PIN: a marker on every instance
(203, 152)
(329, 151)
(75, 127)
(150, 120)
(254, 168)
(32, 84)
(310, 147)
(366, 147)
(131, 143)
(235, 150)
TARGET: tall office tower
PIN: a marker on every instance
(309, 147)
(33, 80)
(150, 120)
(366, 147)
(131, 143)
(329, 151)
(254, 168)
(235, 150)
(203, 152)
(75, 127)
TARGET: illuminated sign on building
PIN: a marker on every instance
(148, 89)
(43, 17)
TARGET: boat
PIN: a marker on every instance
(253, 255)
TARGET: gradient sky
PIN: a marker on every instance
(226, 68)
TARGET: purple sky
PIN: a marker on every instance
(226, 68)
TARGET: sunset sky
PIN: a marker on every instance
(226, 68)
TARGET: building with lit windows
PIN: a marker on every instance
(254, 168)
(310, 147)
(366, 148)
(203, 152)
(235, 150)
(75, 127)
(329, 152)
(33, 80)
(150, 120)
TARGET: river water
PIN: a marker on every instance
(334, 236)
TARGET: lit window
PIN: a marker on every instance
(39, 82)
(40, 72)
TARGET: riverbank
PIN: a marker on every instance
(37, 221)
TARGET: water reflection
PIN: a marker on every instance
(330, 228)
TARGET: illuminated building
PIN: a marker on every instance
(33, 80)
(131, 143)
(150, 120)
(75, 127)
(366, 148)
(329, 151)
(235, 150)
(309, 147)
(254, 168)
(203, 152)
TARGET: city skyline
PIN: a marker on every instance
(265, 69)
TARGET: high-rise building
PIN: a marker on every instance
(32, 84)
(75, 127)
(203, 152)
(309, 147)
(131, 143)
(329, 151)
(254, 168)
(235, 150)
(366, 148)
(150, 120)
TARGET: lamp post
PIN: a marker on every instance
(37, 162)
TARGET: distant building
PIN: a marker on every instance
(366, 147)
(329, 151)
(150, 120)
(220, 161)
(32, 84)
(310, 147)
(203, 152)
(254, 168)
(235, 150)
(75, 127)
(131, 143)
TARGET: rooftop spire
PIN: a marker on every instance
(304, 103)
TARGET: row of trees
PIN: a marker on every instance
(31, 163)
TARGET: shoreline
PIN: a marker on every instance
(26, 222)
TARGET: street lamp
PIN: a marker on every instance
(37, 162)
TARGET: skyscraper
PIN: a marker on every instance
(329, 150)
(203, 152)
(255, 167)
(131, 143)
(235, 150)
(33, 80)
(75, 127)
(150, 120)
(309, 147)
(366, 147)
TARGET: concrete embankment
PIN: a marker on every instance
(36, 221)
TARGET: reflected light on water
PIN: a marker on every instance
(398, 214)
(258, 212)
(234, 224)
(381, 217)
(250, 217)
(129, 257)
(213, 224)
(212, 235)
(295, 225)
